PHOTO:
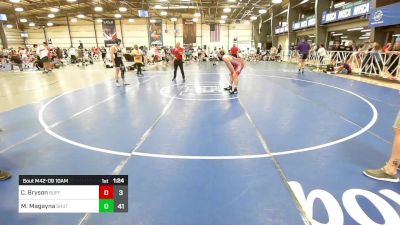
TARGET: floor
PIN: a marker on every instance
(288, 149)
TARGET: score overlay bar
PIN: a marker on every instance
(73, 194)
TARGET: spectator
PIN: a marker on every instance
(44, 52)
(344, 68)
(274, 52)
(387, 47)
(279, 48)
(393, 62)
(321, 53)
(16, 59)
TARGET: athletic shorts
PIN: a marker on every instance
(45, 59)
(237, 63)
(397, 122)
(118, 63)
(303, 56)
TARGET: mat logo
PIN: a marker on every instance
(202, 90)
(349, 199)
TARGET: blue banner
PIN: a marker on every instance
(355, 11)
(385, 16)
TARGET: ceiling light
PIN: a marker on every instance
(117, 15)
(364, 38)
(9, 26)
(262, 11)
(231, 0)
(31, 24)
(71, 0)
(353, 29)
(366, 34)
(19, 9)
(51, 15)
(152, 21)
(344, 37)
(23, 20)
(227, 10)
(339, 34)
(74, 20)
(99, 20)
(164, 13)
(163, 0)
(340, 4)
(246, 22)
(276, 1)
(366, 30)
(173, 19)
(222, 21)
(304, 1)
(54, 10)
(50, 24)
(197, 14)
(253, 17)
(123, 9)
(81, 16)
(131, 20)
(15, 1)
(158, 7)
(224, 17)
(98, 8)
(195, 20)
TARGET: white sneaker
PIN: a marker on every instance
(117, 84)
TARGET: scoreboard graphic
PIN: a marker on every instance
(73, 194)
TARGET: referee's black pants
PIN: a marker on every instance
(180, 64)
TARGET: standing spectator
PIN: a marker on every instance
(72, 54)
(279, 48)
(178, 53)
(303, 48)
(81, 54)
(321, 53)
(389, 171)
(392, 64)
(103, 54)
(234, 51)
(43, 52)
(273, 52)
(137, 57)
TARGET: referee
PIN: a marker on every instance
(178, 53)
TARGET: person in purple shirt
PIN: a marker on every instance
(303, 48)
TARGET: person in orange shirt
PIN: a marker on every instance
(137, 58)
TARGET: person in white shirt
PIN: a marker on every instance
(43, 52)
(321, 53)
(72, 54)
